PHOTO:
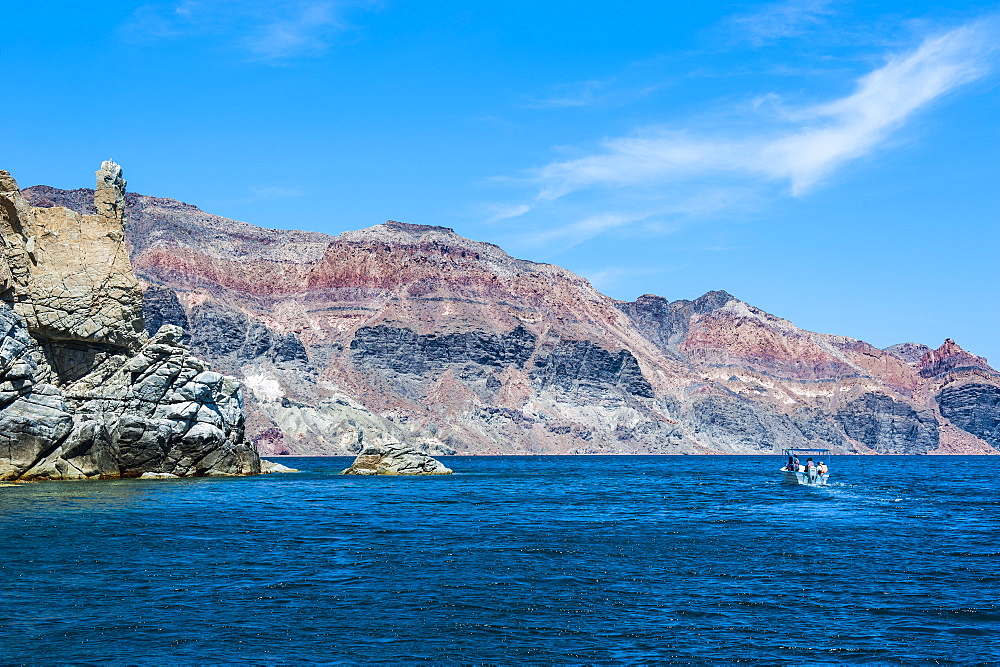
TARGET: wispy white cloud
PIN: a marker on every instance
(306, 29)
(504, 212)
(608, 277)
(780, 20)
(738, 160)
(799, 146)
(607, 92)
(569, 95)
(566, 236)
(643, 215)
(275, 30)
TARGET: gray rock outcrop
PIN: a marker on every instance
(975, 408)
(908, 352)
(889, 426)
(574, 366)
(84, 391)
(34, 421)
(395, 459)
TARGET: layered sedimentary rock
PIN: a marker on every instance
(830, 389)
(973, 407)
(889, 426)
(84, 391)
(413, 334)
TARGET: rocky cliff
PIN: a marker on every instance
(414, 334)
(84, 391)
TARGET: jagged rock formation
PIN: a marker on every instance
(908, 352)
(395, 459)
(947, 359)
(84, 392)
(68, 275)
(407, 333)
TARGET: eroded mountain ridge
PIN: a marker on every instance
(413, 333)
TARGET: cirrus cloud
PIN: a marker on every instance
(270, 31)
(804, 145)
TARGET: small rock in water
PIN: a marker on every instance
(158, 475)
(271, 466)
(395, 459)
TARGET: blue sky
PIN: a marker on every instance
(834, 163)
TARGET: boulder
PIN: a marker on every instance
(267, 467)
(395, 459)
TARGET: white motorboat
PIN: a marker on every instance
(797, 471)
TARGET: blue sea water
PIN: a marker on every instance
(512, 559)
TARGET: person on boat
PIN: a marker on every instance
(821, 468)
(811, 468)
(791, 464)
(796, 466)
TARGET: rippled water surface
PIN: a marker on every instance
(567, 559)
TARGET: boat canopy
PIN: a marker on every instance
(803, 450)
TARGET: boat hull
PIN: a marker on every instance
(792, 477)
